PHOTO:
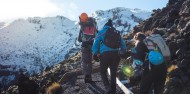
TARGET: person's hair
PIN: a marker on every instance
(138, 35)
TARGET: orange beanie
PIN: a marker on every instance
(83, 17)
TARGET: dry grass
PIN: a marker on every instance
(54, 88)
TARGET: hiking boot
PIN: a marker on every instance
(88, 79)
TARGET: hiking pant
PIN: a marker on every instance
(86, 60)
(154, 78)
(109, 59)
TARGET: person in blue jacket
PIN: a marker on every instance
(109, 57)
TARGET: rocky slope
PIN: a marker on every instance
(174, 22)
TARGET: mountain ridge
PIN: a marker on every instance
(34, 44)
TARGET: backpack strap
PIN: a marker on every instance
(156, 48)
(102, 33)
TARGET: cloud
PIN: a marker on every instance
(12, 9)
(73, 11)
(69, 10)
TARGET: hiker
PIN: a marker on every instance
(154, 74)
(106, 45)
(87, 33)
(138, 54)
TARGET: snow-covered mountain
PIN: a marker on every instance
(35, 43)
(3, 24)
(124, 19)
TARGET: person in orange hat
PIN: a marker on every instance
(83, 17)
(88, 30)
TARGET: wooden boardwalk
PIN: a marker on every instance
(77, 86)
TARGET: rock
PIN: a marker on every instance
(184, 65)
(27, 86)
(176, 73)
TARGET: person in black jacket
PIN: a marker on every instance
(138, 54)
(140, 47)
(154, 76)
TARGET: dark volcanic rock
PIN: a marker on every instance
(175, 18)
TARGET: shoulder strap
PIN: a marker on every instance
(154, 44)
(100, 35)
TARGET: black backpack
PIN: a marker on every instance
(112, 38)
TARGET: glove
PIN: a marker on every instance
(95, 57)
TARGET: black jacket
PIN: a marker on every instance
(141, 49)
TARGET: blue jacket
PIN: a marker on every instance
(100, 47)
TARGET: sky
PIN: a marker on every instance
(14, 9)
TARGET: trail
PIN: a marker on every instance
(77, 86)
